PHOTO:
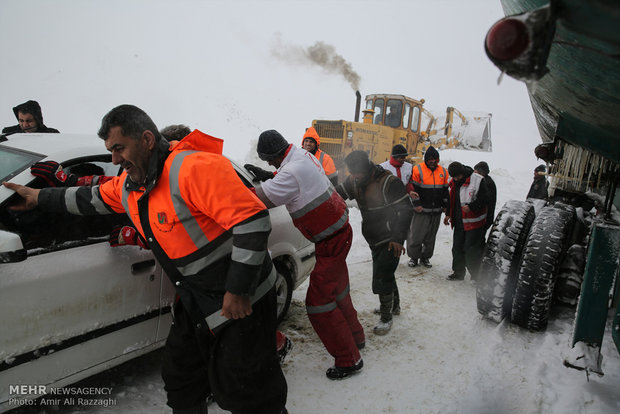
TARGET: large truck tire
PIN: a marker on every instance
(502, 255)
(545, 248)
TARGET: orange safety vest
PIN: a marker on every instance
(431, 186)
(207, 209)
(325, 159)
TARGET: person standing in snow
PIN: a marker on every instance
(222, 339)
(322, 216)
(467, 214)
(29, 118)
(310, 143)
(540, 185)
(482, 168)
(428, 189)
(397, 164)
(386, 213)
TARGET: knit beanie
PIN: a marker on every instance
(482, 166)
(358, 162)
(541, 168)
(399, 151)
(270, 145)
(431, 154)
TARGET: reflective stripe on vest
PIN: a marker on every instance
(333, 228)
(328, 307)
(198, 237)
(216, 319)
(313, 204)
(421, 182)
(188, 221)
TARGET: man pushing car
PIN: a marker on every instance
(210, 236)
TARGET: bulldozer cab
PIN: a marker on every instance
(395, 111)
(388, 120)
(402, 115)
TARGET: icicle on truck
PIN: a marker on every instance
(568, 251)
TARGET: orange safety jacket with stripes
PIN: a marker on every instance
(325, 159)
(431, 186)
(206, 228)
(470, 194)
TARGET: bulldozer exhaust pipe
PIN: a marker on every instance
(358, 102)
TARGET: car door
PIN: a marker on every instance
(74, 303)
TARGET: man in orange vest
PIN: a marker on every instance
(310, 143)
(428, 188)
(209, 232)
(467, 214)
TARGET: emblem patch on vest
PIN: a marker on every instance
(162, 223)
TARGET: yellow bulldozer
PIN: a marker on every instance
(390, 119)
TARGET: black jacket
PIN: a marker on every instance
(492, 200)
(29, 107)
(384, 203)
(538, 189)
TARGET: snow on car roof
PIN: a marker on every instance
(57, 147)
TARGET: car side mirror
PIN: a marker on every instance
(11, 248)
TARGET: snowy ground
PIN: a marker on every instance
(440, 356)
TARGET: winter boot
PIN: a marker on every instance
(382, 327)
(454, 276)
(385, 324)
(337, 373)
(426, 263)
(412, 262)
(396, 303)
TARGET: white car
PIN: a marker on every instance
(71, 305)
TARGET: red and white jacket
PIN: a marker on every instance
(467, 194)
(301, 185)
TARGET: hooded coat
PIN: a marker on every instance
(29, 107)
(326, 161)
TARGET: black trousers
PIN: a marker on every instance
(239, 365)
(467, 249)
(384, 264)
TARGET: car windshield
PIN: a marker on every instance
(14, 161)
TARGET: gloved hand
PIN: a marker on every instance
(259, 173)
(53, 174)
(126, 236)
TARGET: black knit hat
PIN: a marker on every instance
(399, 151)
(456, 168)
(358, 162)
(270, 145)
(431, 154)
(541, 168)
(482, 166)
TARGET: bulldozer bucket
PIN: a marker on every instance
(469, 132)
(476, 135)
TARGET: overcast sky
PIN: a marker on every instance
(233, 68)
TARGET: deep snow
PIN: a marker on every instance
(440, 357)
